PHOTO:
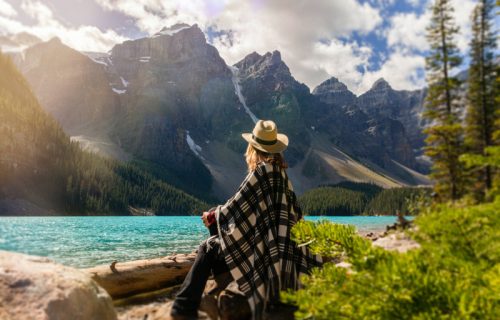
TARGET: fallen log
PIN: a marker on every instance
(124, 279)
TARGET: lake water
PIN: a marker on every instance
(89, 241)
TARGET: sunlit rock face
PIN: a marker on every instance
(70, 86)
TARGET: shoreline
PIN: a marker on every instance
(82, 242)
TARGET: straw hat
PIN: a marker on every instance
(265, 137)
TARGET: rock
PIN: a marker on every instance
(223, 300)
(36, 288)
(372, 236)
(396, 241)
(233, 306)
(152, 311)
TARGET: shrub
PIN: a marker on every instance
(454, 275)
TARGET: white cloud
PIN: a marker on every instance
(9, 26)
(336, 58)
(85, 37)
(462, 15)
(402, 70)
(6, 9)
(408, 31)
(406, 39)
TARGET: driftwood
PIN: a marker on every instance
(125, 279)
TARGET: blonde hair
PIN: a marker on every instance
(254, 156)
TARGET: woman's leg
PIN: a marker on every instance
(188, 298)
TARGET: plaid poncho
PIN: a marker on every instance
(254, 228)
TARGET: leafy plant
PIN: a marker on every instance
(455, 274)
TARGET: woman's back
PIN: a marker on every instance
(254, 227)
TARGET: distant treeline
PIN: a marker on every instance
(39, 163)
(351, 198)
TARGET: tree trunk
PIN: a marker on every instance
(124, 279)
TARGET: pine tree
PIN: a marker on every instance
(444, 145)
(481, 95)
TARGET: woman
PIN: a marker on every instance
(251, 232)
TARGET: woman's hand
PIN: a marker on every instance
(204, 218)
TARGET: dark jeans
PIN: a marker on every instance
(209, 259)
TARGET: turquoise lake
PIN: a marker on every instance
(89, 241)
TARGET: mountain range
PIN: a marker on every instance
(171, 105)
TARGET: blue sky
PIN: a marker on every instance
(357, 41)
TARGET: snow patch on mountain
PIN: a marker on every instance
(118, 91)
(237, 90)
(124, 82)
(372, 130)
(193, 146)
(99, 58)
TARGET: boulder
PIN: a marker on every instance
(398, 241)
(36, 288)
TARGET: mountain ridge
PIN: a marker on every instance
(179, 114)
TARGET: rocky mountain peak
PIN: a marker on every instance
(248, 61)
(381, 84)
(331, 85)
(274, 57)
(55, 47)
(180, 42)
(268, 64)
(332, 91)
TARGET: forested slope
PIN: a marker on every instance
(40, 164)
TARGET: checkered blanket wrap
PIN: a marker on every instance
(254, 228)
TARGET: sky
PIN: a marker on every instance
(356, 41)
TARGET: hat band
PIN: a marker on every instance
(264, 142)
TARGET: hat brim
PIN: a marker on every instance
(280, 145)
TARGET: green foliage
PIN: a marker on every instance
(351, 198)
(454, 275)
(332, 201)
(38, 162)
(482, 91)
(444, 144)
(491, 159)
(369, 189)
(330, 239)
(392, 201)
